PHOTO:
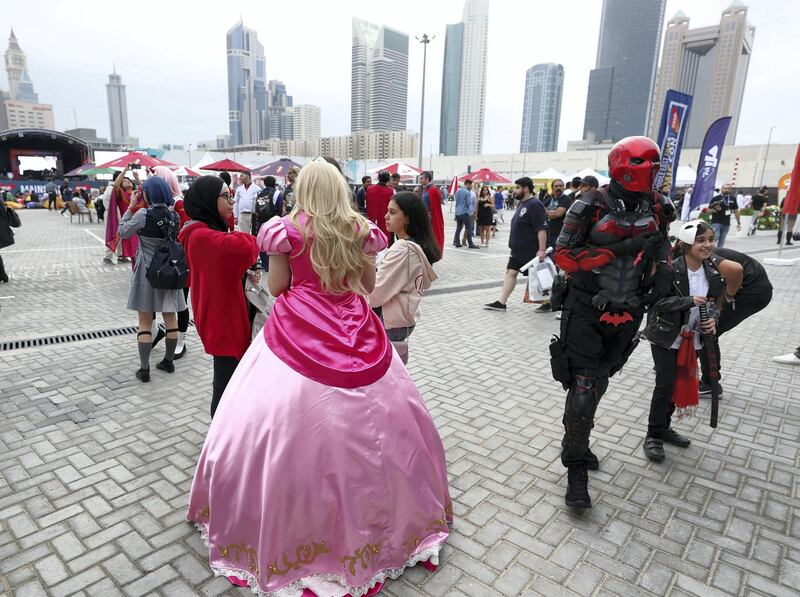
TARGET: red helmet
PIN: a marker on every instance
(633, 163)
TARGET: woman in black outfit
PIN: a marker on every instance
(485, 215)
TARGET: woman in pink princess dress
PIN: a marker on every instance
(322, 472)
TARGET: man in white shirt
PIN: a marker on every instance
(244, 197)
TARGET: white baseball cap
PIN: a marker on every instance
(688, 231)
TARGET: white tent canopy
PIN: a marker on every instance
(602, 179)
(685, 176)
(549, 174)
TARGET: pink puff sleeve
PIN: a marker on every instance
(375, 241)
(273, 238)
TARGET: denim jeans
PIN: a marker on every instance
(462, 221)
(720, 232)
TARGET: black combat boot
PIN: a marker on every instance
(577, 488)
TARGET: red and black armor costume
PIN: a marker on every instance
(613, 242)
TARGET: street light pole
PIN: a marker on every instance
(424, 40)
(766, 153)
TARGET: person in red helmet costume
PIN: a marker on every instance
(613, 247)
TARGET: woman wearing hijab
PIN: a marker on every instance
(217, 261)
(152, 225)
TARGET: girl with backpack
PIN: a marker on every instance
(322, 469)
(154, 226)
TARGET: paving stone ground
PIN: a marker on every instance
(95, 467)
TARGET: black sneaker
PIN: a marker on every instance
(495, 306)
(705, 390)
(143, 375)
(543, 308)
(676, 439)
(577, 488)
(473, 247)
(457, 246)
(167, 366)
(654, 449)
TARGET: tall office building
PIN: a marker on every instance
(307, 122)
(621, 84)
(117, 108)
(280, 119)
(247, 86)
(541, 112)
(451, 89)
(708, 63)
(464, 82)
(379, 79)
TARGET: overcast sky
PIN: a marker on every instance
(171, 56)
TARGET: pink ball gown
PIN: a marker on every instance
(322, 472)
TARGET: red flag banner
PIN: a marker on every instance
(792, 201)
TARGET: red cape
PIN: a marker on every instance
(437, 219)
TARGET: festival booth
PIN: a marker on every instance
(407, 173)
(485, 176)
(545, 177)
(601, 178)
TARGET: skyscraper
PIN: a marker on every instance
(464, 82)
(451, 89)
(247, 86)
(117, 108)
(307, 122)
(280, 120)
(379, 79)
(541, 112)
(621, 84)
(20, 86)
(708, 63)
(472, 101)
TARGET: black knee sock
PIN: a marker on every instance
(170, 344)
(144, 354)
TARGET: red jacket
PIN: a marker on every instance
(378, 197)
(217, 261)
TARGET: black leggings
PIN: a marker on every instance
(223, 371)
(183, 316)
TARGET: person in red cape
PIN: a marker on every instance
(674, 328)
(378, 198)
(433, 201)
(121, 196)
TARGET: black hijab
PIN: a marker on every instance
(200, 202)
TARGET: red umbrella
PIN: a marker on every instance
(137, 157)
(485, 175)
(225, 165)
(277, 168)
(404, 170)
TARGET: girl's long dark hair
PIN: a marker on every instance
(419, 227)
(680, 248)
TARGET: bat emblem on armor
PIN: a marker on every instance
(616, 319)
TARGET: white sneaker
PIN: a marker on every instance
(787, 359)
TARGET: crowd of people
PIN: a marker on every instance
(345, 274)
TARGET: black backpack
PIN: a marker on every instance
(263, 209)
(167, 269)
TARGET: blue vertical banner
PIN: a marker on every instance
(710, 157)
(674, 120)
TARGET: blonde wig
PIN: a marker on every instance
(338, 232)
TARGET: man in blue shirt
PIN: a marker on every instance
(465, 207)
(499, 203)
(527, 238)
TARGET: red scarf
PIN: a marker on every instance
(685, 391)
